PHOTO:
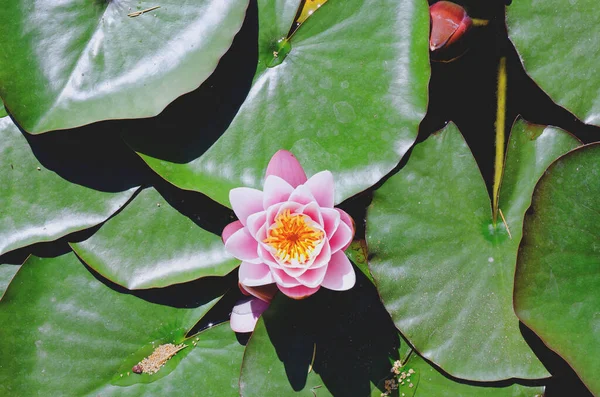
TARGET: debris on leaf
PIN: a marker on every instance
(154, 362)
(401, 378)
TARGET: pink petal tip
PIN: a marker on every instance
(230, 229)
(285, 165)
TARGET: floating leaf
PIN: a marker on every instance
(150, 244)
(443, 269)
(356, 117)
(38, 205)
(67, 333)
(559, 43)
(69, 63)
(557, 283)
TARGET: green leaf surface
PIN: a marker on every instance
(7, 272)
(559, 43)
(358, 253)
(428, 381)
(150, 244)
(443, 269)
(557, 282)
(70, 63)
(348, 97)
(66, 333)
(38, 205)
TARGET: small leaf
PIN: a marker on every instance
(358, 253)
(557, 283)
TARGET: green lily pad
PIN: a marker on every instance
(36, 204)
(7, 272)
(67, 333)
(348, 97)
(74, 62)
(443, 269)
(559, 43)
(557, 282)
(150, 244)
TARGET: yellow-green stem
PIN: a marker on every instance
(500, 131)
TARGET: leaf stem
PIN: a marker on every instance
(500, 132)
(138, 13)
(505, 223)
(480, 22)
(310, 367)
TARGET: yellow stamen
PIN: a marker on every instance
(293, 238)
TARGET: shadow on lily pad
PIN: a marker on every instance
(349, 333)
(185, 296)
(194, 121)
(94, 156)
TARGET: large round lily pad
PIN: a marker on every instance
(38, 205)
(559, 43)
(64, 332)
(557, 283)
(150, 244)
(443, 269)
(348, 97)
(69, 63)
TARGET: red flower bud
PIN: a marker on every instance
(449, 22)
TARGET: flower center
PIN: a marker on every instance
(293, 238)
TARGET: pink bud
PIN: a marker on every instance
(449, 23)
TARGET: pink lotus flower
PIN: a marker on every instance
(289, 235)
